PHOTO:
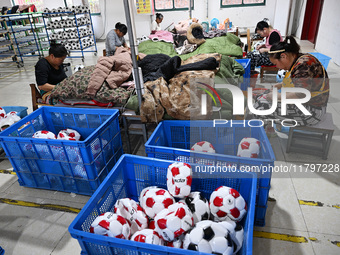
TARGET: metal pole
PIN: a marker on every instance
(190, 17)
(134, 52)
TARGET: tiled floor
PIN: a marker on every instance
(294, 225)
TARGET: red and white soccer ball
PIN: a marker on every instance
(227, 203)
(13, 116)
(198, 205)
(209, 237)
(133, 213)
(203, 146)
(176, 243)
(147, 236)
(44, 134)
(111, 224)
(69, 134)
(2, 113)
(173, 222)
(153, 200)
(249, 147)
(178, 179)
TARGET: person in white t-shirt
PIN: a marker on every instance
(156, 24)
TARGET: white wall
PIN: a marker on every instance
(328, 39)
(242, 17)
(53, 3)
(281, 16)
(298, 17)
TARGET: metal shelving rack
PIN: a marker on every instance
(7, 49)
(61, 32)
(28, 35)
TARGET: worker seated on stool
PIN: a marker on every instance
(259, 56)
(304, 71)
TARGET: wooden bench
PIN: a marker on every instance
(312, 139)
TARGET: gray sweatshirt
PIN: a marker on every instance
(113, 41)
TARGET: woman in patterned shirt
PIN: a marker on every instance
(304, 71)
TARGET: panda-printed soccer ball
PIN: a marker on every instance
(69, 134)
(236, 233)
(173, 222)
(111, 224)
(133, 213)
(210, 237)
(249, 147)
(227, 203)
(44, 134)
(280, 75)
(154, 200)
(198, 205)
(203, 146)
(178, 179)
(147, 236)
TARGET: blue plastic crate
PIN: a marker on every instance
(2, 251)
(173, 139)
(246, 76)
(70, 166)
(21, 110)
(127, 179)
(324, 60)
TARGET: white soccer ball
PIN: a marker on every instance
(133, 213)
(198, 205)
(203, 146)
(178, 179)
(173, 222)
(147, 236)
(111, 224)
(154, 200)
(249, 147)
(44, 134)
(69, 134)
(209, 237)
(227, 203)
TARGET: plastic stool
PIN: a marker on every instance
(312, 137)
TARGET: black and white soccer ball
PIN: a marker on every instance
(198, 205)
(77, 68)
(280, 75)
(210, 237)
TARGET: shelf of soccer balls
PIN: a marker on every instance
(76, 32)
(29, 37)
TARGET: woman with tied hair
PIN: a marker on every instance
(49, 71)
(156, 24)
(303, 71)
(259, 57)
(115, 38)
